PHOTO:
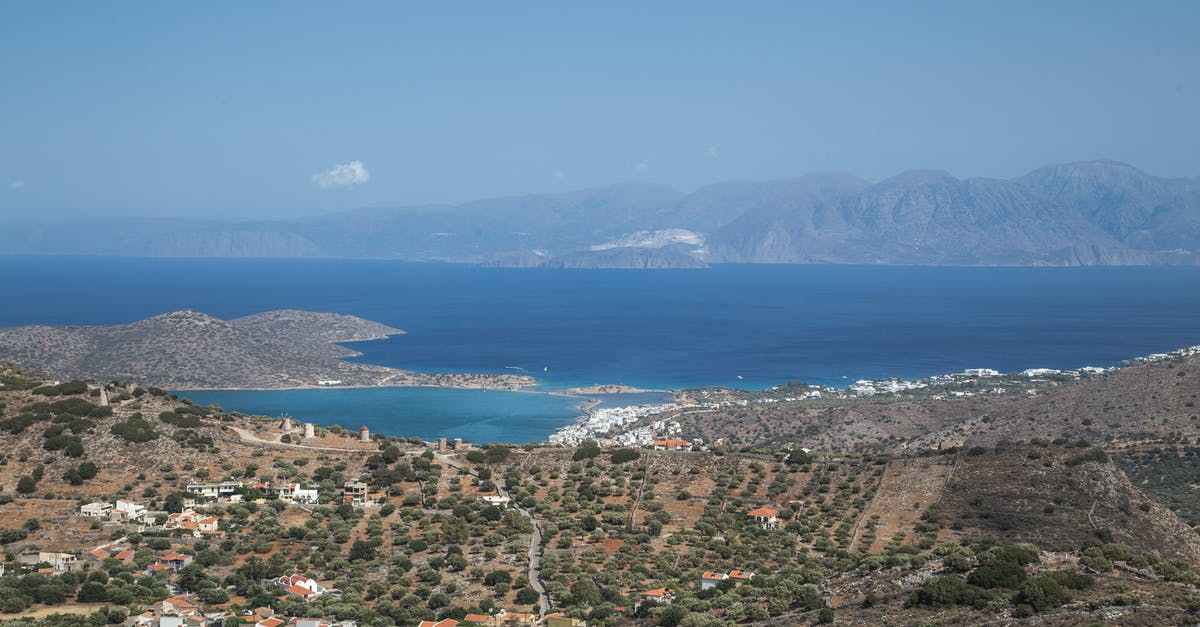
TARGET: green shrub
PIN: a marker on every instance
(998, 574)
(623, 455)
(75, 406)
(1072, 579)
(946, 591)
(62, 389)
(587, 449)
(26, 485)
(1041, 594)
(19, 423)
(135, 429)
(1094, 455)
(496, 453)
(8, 536)
(187, 421)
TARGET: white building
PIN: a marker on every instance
(95, 510)
(129, 510)
(297, 494)
(224, 489)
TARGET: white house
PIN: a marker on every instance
(60, 562)
(95, 510)
(300, 585)
(224, 489)
(296, 493)
(498, 501)
(129, 510)
(765, 517)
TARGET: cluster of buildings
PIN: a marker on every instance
(127, 512)
(120, 511)
(231, 492)
(180, 611)
(1189, 351)
(598, 423)
(177, 611)
(199, 525)
(864, 387)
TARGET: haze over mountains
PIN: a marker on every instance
(1087, 213)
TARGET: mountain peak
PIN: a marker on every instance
(185, 316)
(919, 177)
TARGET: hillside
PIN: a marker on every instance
(190, 350)
(859, 539)
(1145, 402)
(1088, 213)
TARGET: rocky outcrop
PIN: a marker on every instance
(1046, 495)
(189, 349)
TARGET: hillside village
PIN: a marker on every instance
(122, 505)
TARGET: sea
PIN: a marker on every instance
(749, 326)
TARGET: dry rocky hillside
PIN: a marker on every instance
(192, 350)
(1145, 402)
(1044, 532)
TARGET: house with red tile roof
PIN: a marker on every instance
(561, 620)
(174, 560)
(661, 596)
(712, 579)
(671, 444)
(448, 622)
(179, 604)
(300, 585)
(765, 517)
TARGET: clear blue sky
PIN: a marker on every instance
(231, 109)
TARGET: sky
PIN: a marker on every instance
(280, 109)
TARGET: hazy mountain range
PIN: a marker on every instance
(1088, 213)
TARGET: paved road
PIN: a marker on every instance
(535, 542)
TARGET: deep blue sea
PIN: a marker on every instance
(748, 326)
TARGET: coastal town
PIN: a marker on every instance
(643, 425)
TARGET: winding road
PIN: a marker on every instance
(535, 542)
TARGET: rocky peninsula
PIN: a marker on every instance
(285, 349)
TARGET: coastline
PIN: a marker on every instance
(615, 424)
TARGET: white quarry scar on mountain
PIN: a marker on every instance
(654, 239)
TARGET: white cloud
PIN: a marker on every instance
(712, 152)
(343, 175)
(641, 167)
(16, 185)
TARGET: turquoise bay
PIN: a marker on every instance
(474, 415)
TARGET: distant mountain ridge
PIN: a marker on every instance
(1087, 213)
